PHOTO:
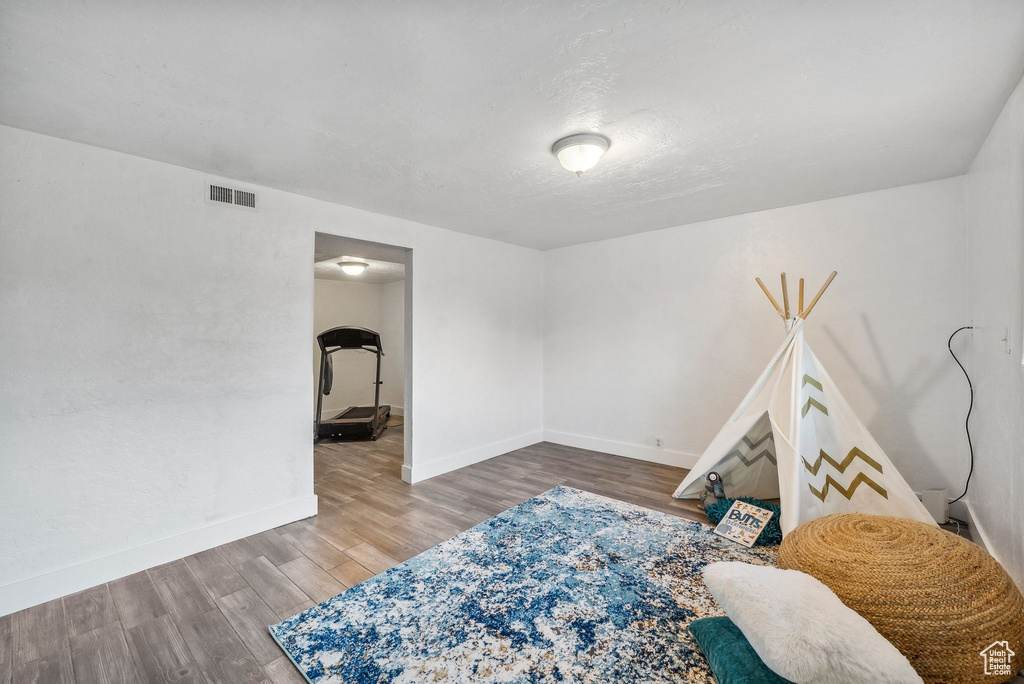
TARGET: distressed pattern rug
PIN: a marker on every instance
(566, 587)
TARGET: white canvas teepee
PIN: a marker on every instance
(795, 438)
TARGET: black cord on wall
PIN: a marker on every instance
(967, 421)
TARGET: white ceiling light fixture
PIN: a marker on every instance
(353, 267)
(580, 152)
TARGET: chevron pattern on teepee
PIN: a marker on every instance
(841, 467)
(848, 493)
(808, 380)
(764, 453)
(816, 404)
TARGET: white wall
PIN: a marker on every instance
(392, 331)
(662, 333)
(141, 328)
(379, 307)
(995, 249)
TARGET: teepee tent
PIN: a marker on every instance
(795, 438)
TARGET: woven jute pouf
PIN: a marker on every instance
(940, 599)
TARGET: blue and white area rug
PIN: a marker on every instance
(566, 587)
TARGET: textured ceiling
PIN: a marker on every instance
(377, 272)
(444, 112)
(386, 264)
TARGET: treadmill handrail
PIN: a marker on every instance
(372, 350)
(349, 337)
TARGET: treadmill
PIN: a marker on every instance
(355, 421)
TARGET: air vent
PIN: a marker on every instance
(220, 194)
(245, 199)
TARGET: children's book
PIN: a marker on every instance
(743, 523)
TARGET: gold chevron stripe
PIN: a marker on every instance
(816, 404)
(841, 467)
(848, 493)
(808, 380)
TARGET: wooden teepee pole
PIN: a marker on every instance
(770, 298)
(801, 304)
(785, 297)
(817, 296)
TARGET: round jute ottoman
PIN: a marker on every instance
(941, 600)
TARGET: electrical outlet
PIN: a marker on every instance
(659, 442)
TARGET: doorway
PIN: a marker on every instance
(361, 292)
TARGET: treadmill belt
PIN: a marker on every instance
(359, 412)
(356, 413)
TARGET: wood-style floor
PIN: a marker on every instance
(203, 619)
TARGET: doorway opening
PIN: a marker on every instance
(361, 356)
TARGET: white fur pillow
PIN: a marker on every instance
(801, 630)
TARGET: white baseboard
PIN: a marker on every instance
(640, 452)
(397, 411)
(423, 471)
(35, 590)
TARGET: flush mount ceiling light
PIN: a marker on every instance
(353, 267)
(580, 152)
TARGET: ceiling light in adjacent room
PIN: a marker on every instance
(580, 152)
(353, 267)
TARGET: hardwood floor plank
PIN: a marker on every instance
(687, 510)
(238, 551)
(380, 539)
(363, 514)
(215, 573)
(89, 609)
(304, 524)
(438, 513)
(6, 648)
(276, 590)
(160, 654)
(371, 500)
(321, 552)
(314, 582)
(328, 495)
(101, 657)
(39, 631)
(282, 671)
(273, 547)
(294, 610)
(136, 599)
(371, 558)
(55, 668)
(332, 530)
(413, 537)
(219, 653)
(250, 617)
(350, 574)
(180, 591)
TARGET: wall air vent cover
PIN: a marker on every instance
(220, 194)
(245, 199)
